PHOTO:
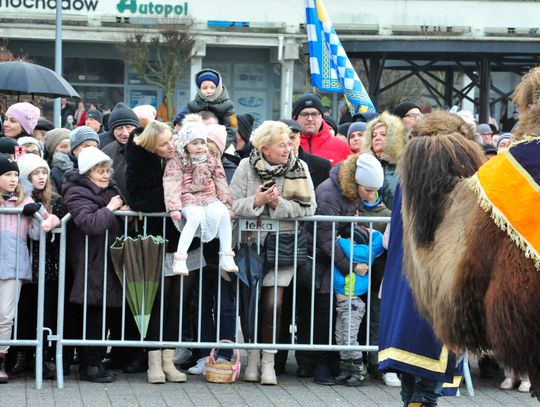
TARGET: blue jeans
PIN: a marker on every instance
(417, 389)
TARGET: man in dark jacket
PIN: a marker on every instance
(120, 116)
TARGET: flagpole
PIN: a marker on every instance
(58, 62)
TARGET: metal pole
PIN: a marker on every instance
(58, 62)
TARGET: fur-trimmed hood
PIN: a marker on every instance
(344, 178)
(396, 137)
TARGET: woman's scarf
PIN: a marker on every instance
(296, 186)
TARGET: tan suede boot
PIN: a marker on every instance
(167, 363)
(155, 373)
(253, 368)
(268, 374)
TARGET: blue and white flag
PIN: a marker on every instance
(331, 69)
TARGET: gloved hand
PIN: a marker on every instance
(31, 208)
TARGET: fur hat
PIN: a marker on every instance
(95, 114)
(28, 163)
(369, 172)
(484, 128)
(31, 140)
(245, 125)
(55, 137)
(80, 135)
(145, 113)
(90, 157)
(356, 126)
(306, 101)
(206, 75)
(26, 114)
(218, 134)
(7, 145)
(44, 124)
(190, 132)
(122, 115)
(7, 164)
(402, 109)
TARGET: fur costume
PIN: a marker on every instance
(477, 287)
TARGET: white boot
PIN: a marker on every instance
(268, 374)
(171, 373)
(155, 373)
(226, 261)
(253, 369)
(179, 264)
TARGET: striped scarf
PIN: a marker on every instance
(296, 186)
(508, 188)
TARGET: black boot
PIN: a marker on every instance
(345, 367)
(323, 376)
(359, 374)
(19, 365)
(95, 374)
(3, 375)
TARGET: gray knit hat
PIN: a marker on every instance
(369, 171)
(55, 137)
(80, 135)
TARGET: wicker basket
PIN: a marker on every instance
(222, 372)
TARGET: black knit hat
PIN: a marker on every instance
(122, 115)
(293, 125)
(331, 122)
(245, 125)
(305, 101)
(44, 124)
(402, 109)
(7, 145)
(7, 164)
(95, 114)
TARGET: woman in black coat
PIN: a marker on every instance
(146, 152)
(91, 197)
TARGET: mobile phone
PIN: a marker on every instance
(268, 185)
(19, 151)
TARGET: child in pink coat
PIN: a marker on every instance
(196, 190)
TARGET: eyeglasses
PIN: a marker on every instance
(414, 116)
(313, 115)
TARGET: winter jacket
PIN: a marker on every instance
(144, 187)
(220, 104)
(86, 202)
(337, 196)
(319, 168)
(323, 144)
(198, 185)
(116, 151)
(396, 139)
(13, 245)
(52, 251)
(244, 186)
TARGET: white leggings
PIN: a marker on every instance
(193, 218)
(9, 294)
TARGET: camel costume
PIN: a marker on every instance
(472, 237)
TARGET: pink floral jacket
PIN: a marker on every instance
(195, 185)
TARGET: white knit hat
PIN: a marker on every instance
(31, 140)
(28, 163)
(190, 132)
(369, 172)
(89, 157)
(218, 134)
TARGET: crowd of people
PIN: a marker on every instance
(205, 168)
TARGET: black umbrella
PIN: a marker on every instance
(250, 272)
(18, 77)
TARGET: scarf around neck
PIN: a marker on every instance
(296, 186)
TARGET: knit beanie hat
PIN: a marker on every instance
(206, 75)
(180, 116)
(95, 114)
(55, 137)
(356, 126)
(122, 115)
(145, 113)
(245, 125)
(44, 124)
(343, 128)
(31, 140)
(305, 101)
(26, 114)
(80, 135)
(90, 157)
(369, 172)
(484, 128)
(7, 145)
(402, 109)
(504, 136)
(7, 164)
(192, 131)
(28, 163)
(218, 134)
(331, 122)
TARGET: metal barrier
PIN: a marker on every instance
(245, 227)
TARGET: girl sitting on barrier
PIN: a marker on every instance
(14, 232)
(195, 185)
